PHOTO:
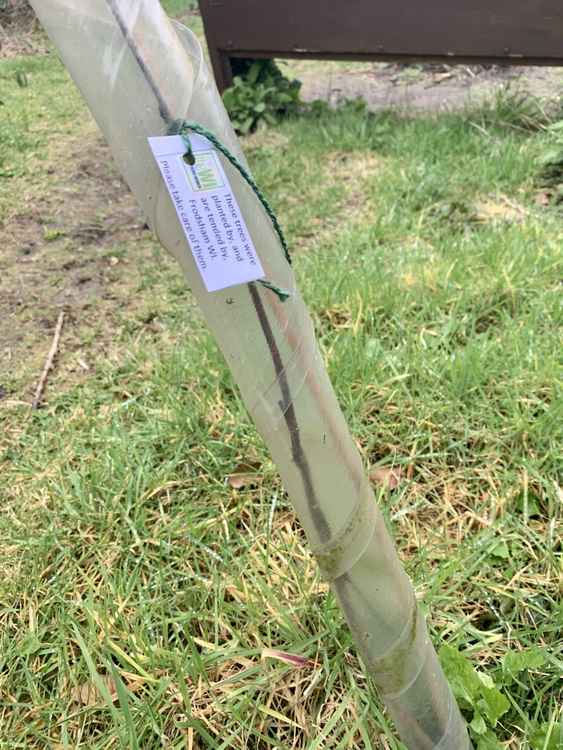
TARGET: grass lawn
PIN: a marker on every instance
(148, 553)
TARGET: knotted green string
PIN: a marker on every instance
(183, 128)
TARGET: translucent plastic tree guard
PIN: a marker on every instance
(138, 72)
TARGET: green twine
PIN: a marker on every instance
(182, 128)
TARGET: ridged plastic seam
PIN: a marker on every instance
(396, 671)
(348, 545)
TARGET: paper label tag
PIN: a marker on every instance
(208, 212)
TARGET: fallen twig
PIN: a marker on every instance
(48, 362)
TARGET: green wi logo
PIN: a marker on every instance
(205, 174)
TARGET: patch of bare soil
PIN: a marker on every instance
(62, 252)
(20, 32)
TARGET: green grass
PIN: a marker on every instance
(178, 7)
(138, 588)
(33, 120)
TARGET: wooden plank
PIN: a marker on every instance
(514, 31)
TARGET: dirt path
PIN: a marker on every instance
(424, 88)
(68, 250)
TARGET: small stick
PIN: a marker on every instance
(48, 362)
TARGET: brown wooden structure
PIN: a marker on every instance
(469, 31)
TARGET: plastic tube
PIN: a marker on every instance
(138, 72)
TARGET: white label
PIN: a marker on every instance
(208, 212)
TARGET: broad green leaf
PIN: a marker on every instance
(517, 661)
(501, 550)
(488, 742)
(486, 679)
(30, 645)
(478, 724)
(461, 674)
(493, 704)
(254, 72)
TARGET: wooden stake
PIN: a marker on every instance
(48, 362)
